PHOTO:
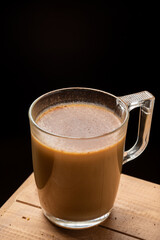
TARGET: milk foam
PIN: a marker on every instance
(81, 125)
(79, 120)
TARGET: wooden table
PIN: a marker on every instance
(136, 215)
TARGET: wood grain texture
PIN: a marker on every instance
(136, 215)
(26, 222)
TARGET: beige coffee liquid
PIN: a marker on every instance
(77, 179)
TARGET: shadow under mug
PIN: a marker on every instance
(77, 189)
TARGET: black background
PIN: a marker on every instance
(45, 46)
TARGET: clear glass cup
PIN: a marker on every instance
(78, 178)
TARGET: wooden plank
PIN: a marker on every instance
(23, 221)
(136, 210)
(29, 182)
(29, 195)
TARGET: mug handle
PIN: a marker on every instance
(145, 101)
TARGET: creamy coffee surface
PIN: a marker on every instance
(78, 120)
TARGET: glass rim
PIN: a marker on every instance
(76, 138)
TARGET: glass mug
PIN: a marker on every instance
(77, 178)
